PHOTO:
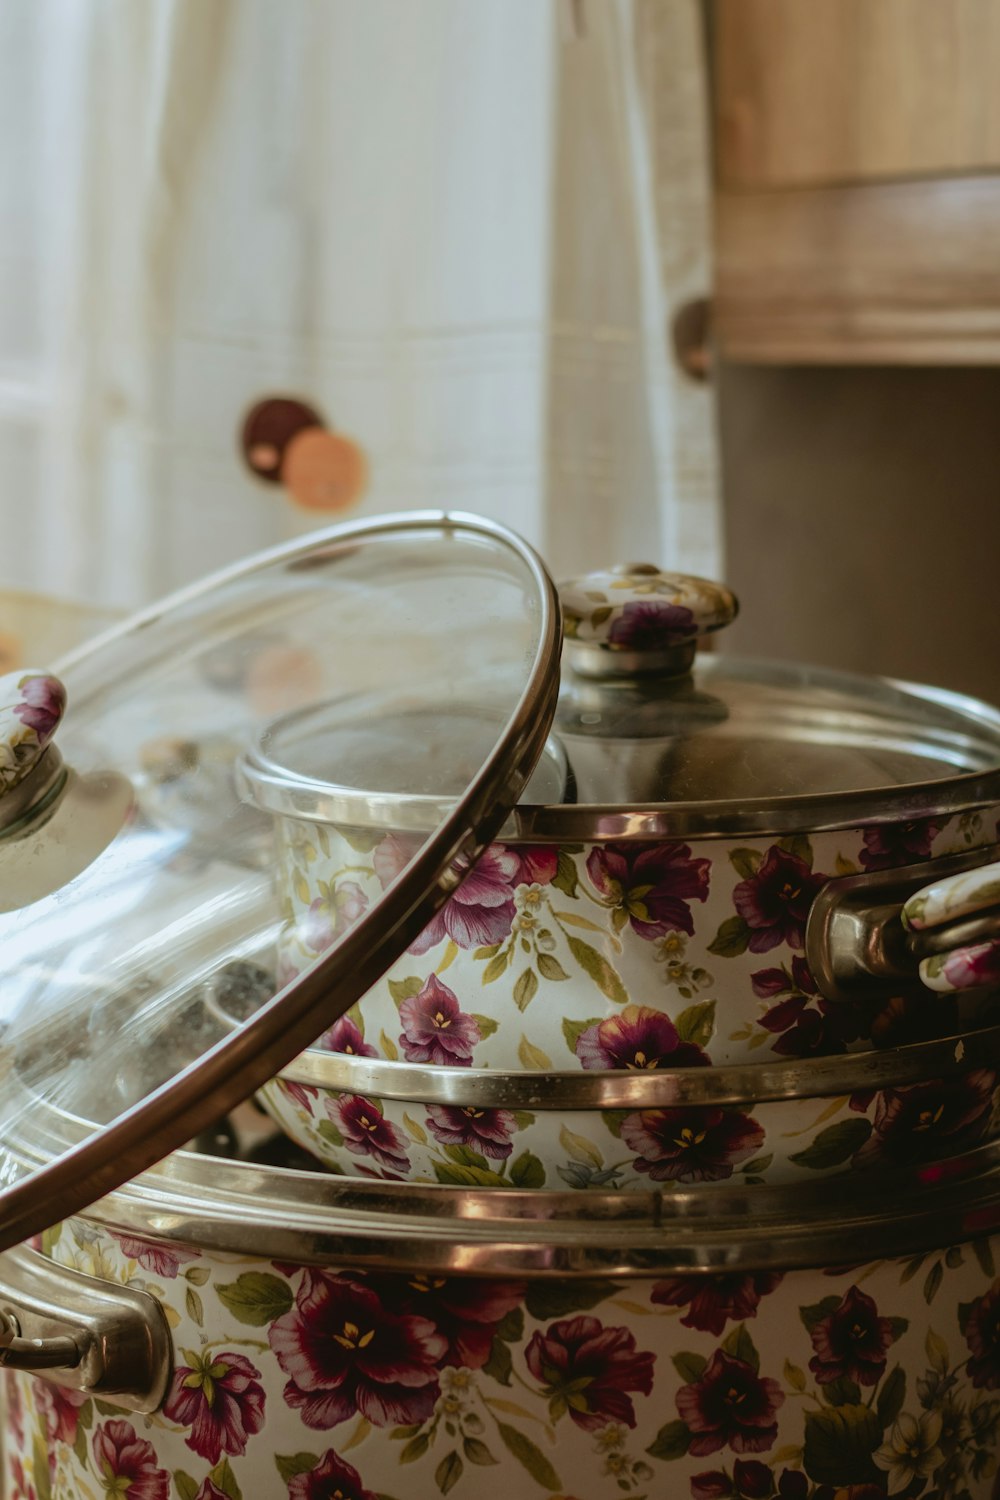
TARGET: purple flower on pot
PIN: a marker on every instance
(126, 1463)
(488, 1131)
(539, 864)
(161, 1259)
(345, 1036)
(650, 885)
(982, 1335)
(219, 1396)
(888, 845)
(331, 914)
(587, 1369)
(367, 1132)
(436, 1029)
(43, 702)
(482, 909)
(927, 1121)
(332, 1479)
(60, 1410)
(464, 1312)
(730, 1404)
(640, 1039)
(775, 902)
(851, 1342)
(650, 625)
(713, 1301)
(696, 1144)
(345, 1352)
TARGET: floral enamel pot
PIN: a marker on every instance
(707, 805)
(294, 1336)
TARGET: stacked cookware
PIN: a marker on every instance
(640, 1035)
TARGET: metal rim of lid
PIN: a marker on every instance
(231, 1070)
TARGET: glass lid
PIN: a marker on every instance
(645, 721)
(195, 823)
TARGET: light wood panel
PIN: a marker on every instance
(825, 91)
(904, 272)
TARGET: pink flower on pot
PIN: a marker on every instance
(436, 1029)
(43, 701)
(889, 845)
(209, 1490)
(640, 1039)
(650, 885)
(713, 1301)
(367, 1132)
(851, 1343)
(335, 910)
(696, 1144)
(332, 1479)
(345, 1352)
(465, 1312)
(775, 902)
(162, 1260)
(345, 1036)
(488, 1131)
(126, 1463)
(219, 1397)
(651, 625)
(60, 1409)
(482, 909)
(730, 1404)
(587, 1369)
(982, 1335)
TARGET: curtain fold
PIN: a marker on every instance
(459, 231)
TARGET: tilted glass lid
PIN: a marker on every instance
(725, 741)
(140, 868)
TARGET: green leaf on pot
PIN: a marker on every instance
(798, 845)
(498, 964)
(578, 1148)
(290, 1464)
(526, 987)
(672, 1441)
(224, 1479)
(448, 1472)
(451, 1172)
(981, 1250)
(891, 1396)
(80, 1444)
(913, 1266)
(523, 1118)
(834, 1145)
(414, 1129)
(732, 938)
(487, 1025)
(486, 951)
(814, 1313)
(43, 1487)
(573, 1030)
(937, 1352)
(405, 989)
(361, 840)
(526, 1171)
(690, 1367)
(795, 1376)
(550, 968)
(759, 1164)
(746, 862)
(740, 1345)
(529, 1457)
(697, 1023)
(565, 878)
(614, 1119)
(256, 1298)
(839, 1444)
(465, 1156)
(606, 978)
(841, 1392)
(415, 1448)
(511, 1326)
(898, 1326)
(499, 1366)
(197, 1275)
(328, 1132)
(932, 1284)
(532, 1058)
(953, 1257)
(194, 1306)
(389, 1048)
(476, 1451)
(186, 1487)
(555, 1299)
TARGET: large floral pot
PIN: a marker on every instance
(329, 1339)
(779, 1122)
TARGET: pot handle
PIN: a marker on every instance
(935, 925)
(95, 1336)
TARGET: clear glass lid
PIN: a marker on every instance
(196, 839)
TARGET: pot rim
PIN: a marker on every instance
(310, 1217)
(739, 1083)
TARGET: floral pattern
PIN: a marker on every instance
(591, 955)
(882, 1380)
(31, 707)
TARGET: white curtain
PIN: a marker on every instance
(457, 227)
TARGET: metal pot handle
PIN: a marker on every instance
(89, 1335)
(935, 924)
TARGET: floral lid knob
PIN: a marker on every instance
(636, 620)
(31, 706)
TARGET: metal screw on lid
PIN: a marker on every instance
(634, 620)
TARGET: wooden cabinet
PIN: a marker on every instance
(857, 180)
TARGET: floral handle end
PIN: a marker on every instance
(635, 619)
(961, 917)
(31, 707)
